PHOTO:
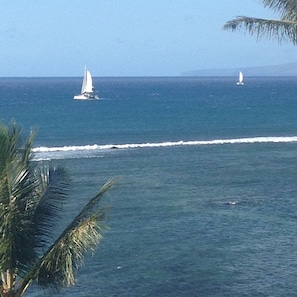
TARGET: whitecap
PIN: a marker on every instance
(83, 150)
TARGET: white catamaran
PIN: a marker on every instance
(87, 89)
(240, 80)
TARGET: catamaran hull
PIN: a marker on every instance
(85, 97)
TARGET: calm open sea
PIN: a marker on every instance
(207, 201)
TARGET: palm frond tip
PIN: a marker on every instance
(272, 29)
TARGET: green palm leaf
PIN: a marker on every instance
(31, 196)
(47, 204)
(15, 174)
(57, 267)
(284, 29)
(286, 8)
(272, 29)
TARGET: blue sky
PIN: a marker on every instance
(130, 37)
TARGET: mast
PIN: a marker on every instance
(84, 83)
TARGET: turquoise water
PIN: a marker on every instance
(206, 203)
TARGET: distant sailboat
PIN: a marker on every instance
(87, 89)
(240, 80)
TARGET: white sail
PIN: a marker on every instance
(87, 89)
(87, 85)
(240, 77)
(240, 80)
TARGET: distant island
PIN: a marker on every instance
(289, 69)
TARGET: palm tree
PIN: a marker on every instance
(31, 196)
(284, 29)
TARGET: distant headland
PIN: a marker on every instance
(289, 69)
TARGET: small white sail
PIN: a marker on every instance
(240, 79)
(87, 85)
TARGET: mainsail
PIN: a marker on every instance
(240, 79)
(87, 85)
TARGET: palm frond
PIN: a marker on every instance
(15, 224)
(8, 148)
(46, 206)
(286, 8)
(58, 265)
(30, 200)
(272, 29)
(92, 204)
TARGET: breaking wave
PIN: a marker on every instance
(88, 150)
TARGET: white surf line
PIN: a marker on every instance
(168, 143)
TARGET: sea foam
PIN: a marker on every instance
(55, 152)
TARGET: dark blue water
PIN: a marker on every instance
(206, 203)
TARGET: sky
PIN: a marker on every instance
(57, 38)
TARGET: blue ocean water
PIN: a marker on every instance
(207, 196)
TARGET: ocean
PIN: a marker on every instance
(206, 202)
